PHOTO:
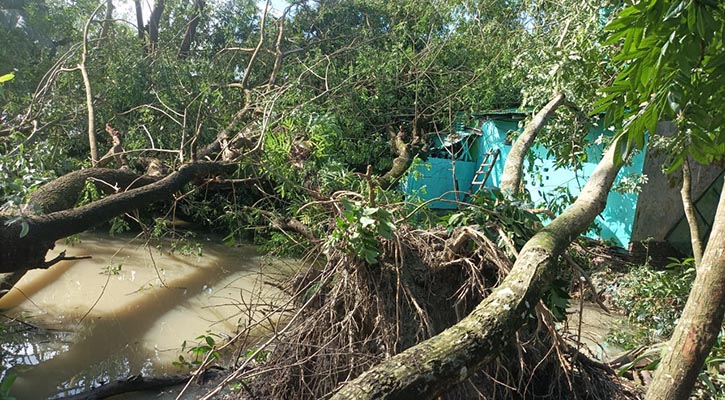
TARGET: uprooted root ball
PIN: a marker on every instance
(355, 314)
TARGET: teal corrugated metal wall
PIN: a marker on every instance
(542, 180)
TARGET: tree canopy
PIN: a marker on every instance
(294, 127)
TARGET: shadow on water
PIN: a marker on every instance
(137, 325)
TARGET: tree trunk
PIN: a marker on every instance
(89, 95)
(25, 241)
(427, 369)
(512, 170)
(107, 21)
(689, 207)
(153, 26)
(700, 323)
(63, 193)
(139, 20)
(191, 29)
(405, 153)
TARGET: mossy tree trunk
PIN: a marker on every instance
(699, 324)
(427, 369)
(512, 170)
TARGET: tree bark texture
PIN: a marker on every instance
(107, 21)
(139, 20)
(689, 207)
(153, 26)
(63, 193)
(25, 250)
(89, 95)
(700, 323)
(405, 153)
(512, 170)
(427, 369)
(190, 33)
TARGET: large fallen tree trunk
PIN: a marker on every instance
(63, 193)
(429, 368)
(26, 240)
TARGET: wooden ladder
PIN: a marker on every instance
(484, 170)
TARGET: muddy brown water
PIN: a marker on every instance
(128, 310)
(596, 325)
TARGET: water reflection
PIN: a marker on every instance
(130, 308)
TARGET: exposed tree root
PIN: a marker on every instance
(358, 314)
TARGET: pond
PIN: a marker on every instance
(131, 309)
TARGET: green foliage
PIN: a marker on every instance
(358, 229)
(280, 245)
(259, 356)
(564, 57)
(557, 299)
(112, 269)
(21, 173)
(205, 348)
(557, 200)
(89, 194)
(671, 67)
(183, 242)
(6, 78)
(654, 300)
(492, 209)
(118, 225)
(631, 183)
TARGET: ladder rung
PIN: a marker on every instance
(485, 168)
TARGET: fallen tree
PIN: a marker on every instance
(27, 238)
(429, 368)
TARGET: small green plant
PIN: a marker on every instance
(187, 246)
(280, 245)
(184, 244)
(89, 194)
(654, 299)
(358, 229)
(206, 348)
(112, 269)
(118, 225)
(73, 240)
(260, 356)
(557, 299)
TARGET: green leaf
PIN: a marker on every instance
(7, 77)
(370, 210)
(367, 221)
(692, 17)
(675, 10)
(673, 102)
(24, 229)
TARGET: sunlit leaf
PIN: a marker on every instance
(7, 77)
